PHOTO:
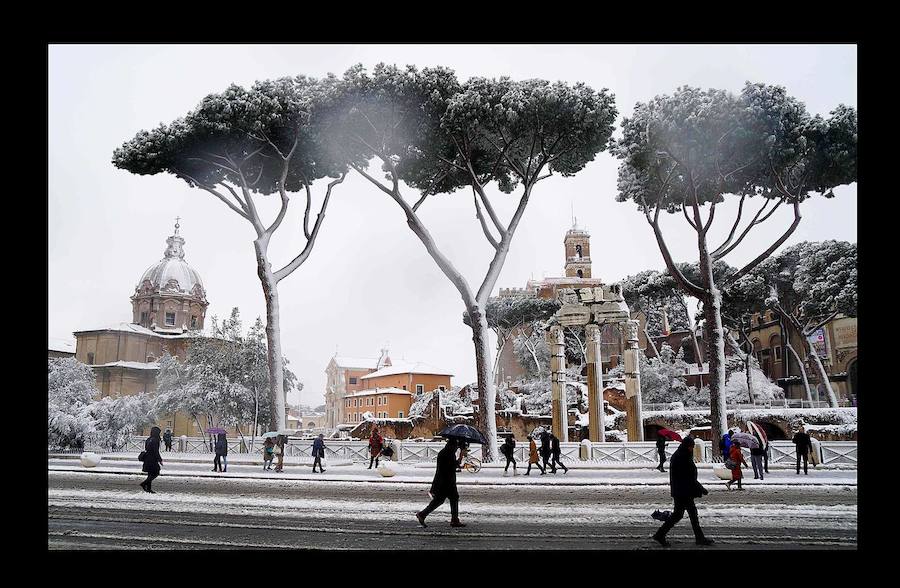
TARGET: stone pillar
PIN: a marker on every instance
(596, 414)
(633, 383)
(557, 343)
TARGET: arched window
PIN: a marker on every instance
(90, 358)
(775, 345)
(578, 250)
(580, 274)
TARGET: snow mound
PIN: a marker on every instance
(89, 459)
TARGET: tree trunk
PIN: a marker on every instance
(501, 343)
(650, 342)
(255, 418)
(802, 372)
(820, 373)
(715, 340)
(487, 395)
(698, 359)
(277, 420)
(749, 378)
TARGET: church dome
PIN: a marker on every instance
(172, 274)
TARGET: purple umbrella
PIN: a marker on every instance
(745, 439)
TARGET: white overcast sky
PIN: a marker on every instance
(369, 281)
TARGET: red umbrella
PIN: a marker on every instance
(671, 435)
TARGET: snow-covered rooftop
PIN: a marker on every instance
(380, 391)
(408, 367)
(141, 330)
(345, 361)
(59, 344)
(137, 365)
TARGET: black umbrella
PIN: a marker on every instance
(466, 432)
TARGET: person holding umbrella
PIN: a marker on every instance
(152, 459)
(661, 450)
(533, 458)
(221, 453)
(684, 489)
(725, 445)
(443, 487)
(268, 453)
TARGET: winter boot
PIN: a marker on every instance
(705, 541)
(421, 519)
(660, 539)
(457, 523)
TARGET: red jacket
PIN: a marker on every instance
(375, 444)
(737, 457)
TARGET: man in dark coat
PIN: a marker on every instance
(152, 459)
(545, 448)
(221, 453)
(661, 450)
(555, 451)
(803, 443)
(318, 452)
(444, 485)
(167, 439)
(685, 488)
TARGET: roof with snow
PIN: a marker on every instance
(408, 367)
(344, 361)
(380, 391)
(140, 330)
(59, 344)
(135, 365)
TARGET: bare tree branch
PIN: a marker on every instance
(217, 194)
(740, 273)
(484, 226)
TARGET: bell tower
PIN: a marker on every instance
(578, 252)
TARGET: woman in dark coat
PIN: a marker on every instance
(685, 488)
(318, 452)
(508, 450)
(545, 448)
(555, 451)
(444, 485)
(152, 459)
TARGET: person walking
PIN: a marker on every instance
(756, 458)
(661, 450)
(545, 449)
(376, 444)
(221, 452)
(279, 452)
(555, 452)
(684, 489)
(804, 444)
(507, 449)
(443, 487)
(736, 458)
(167, 439)
(725, 445)
(318, 452)
(533, 457)
(268, 453)
(152, 459)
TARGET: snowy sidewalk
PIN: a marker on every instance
(423, 474)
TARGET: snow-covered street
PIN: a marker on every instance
(589, 508)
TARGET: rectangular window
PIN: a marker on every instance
(170, 319)
(442, 388)
(145, 318)
(352, 381)
(384, 400)
(193, 321)
(420, 388)
(778, 353)
(404, 386)
(400, 415)
(90, 358)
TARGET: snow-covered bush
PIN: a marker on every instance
(764, 389)
(421, 403)
(70, 389)
(663, 379)
(455, 402)
(116, 419)
(538, 396)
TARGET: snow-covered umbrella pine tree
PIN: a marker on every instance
(437, 135)
(683, 151)
(240, 143)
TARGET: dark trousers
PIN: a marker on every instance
(662, 457)
(556, 462)
(681, 505)
(168, 446)
(318, 462)
(374, 458)
(766, 461)
(804, 455)
(546, 458)
(439, 500)
(217, 463)
(150, 477)
(539, 466)
(509, 460)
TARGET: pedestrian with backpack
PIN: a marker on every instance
(507, 449)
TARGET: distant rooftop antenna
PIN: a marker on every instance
(177, 218)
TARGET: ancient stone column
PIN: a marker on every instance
(556, 341)
(633, 383)
(596, 414)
